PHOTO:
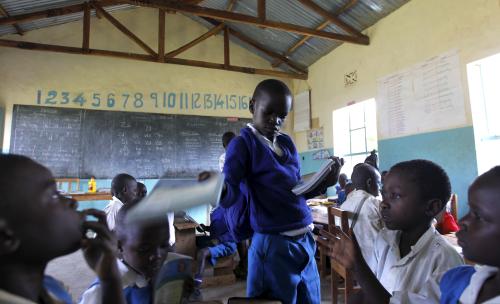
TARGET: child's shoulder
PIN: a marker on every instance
(57, 290)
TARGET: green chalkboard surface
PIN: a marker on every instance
(83, 143)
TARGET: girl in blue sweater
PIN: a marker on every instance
(262, 166)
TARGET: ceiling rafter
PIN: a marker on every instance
(246, 19)
(304, 39)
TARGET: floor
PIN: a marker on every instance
(74, 272)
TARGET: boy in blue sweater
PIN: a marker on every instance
(281, 261)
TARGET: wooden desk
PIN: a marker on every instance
(185, 237)
(97, 196)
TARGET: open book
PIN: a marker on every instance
(315, 180)
(170, 282)
(166, 197)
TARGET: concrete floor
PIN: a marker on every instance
(73, 271)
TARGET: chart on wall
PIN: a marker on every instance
(425, 97)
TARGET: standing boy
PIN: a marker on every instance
(281, 261)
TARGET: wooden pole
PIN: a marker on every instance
(144, 57)
(194, 42)
(161, 35)
(226, 46)
(86, 27)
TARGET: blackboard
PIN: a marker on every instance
(83, 143)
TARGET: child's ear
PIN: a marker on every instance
(434, 206)
(251, 105)
(369, 183)
(8, 241)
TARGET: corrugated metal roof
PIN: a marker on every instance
(362, 15)
(19, 7)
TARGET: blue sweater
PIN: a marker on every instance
(269, 180)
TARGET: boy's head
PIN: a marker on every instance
(343, 180)
(367, 178)
(142, 191)
(226, 139)
(413, 193)
(36, 223)
(142, 246)
(270, 104)
(480, 227)
(124, 187)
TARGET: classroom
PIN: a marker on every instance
(91, 89)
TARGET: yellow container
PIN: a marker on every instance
(92, 185)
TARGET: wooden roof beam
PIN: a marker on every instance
(332, 18)
(260, 47)
(246, 19)
(304, 39)
(124, 30)
(66, 10)
(194, 42)
(15, 25)
(145, 57)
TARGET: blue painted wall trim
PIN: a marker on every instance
(453, 149)
(199, 213)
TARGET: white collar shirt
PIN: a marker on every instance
(429, 257)
(369, 222)
(111, 211)
(129, 278)
(273, 145)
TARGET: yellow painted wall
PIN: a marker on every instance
(417, 31)
(23, 73)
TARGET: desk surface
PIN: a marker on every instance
(97, 196)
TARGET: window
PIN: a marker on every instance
(484, 93)
(354, 133)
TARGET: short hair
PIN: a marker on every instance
(227, 137)
(122, 226)
(119, 182)
(490, 178)
(273, 86)
(361, 173)
(11, 178)
(430, 178)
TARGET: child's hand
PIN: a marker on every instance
(333, 177)
(341, 247)
(100, 252)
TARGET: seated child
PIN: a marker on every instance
(124, 191)
(340, 188)
(479, 231)
(409, 251)
(225, 247)
(142, 249)
(37, 225)
(363, 202)
(142, 191)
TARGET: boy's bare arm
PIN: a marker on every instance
(100, 255)
(345, 251)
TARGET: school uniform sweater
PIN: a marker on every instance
(269, 179)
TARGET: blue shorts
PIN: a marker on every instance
(221, 250)
(283, 268)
